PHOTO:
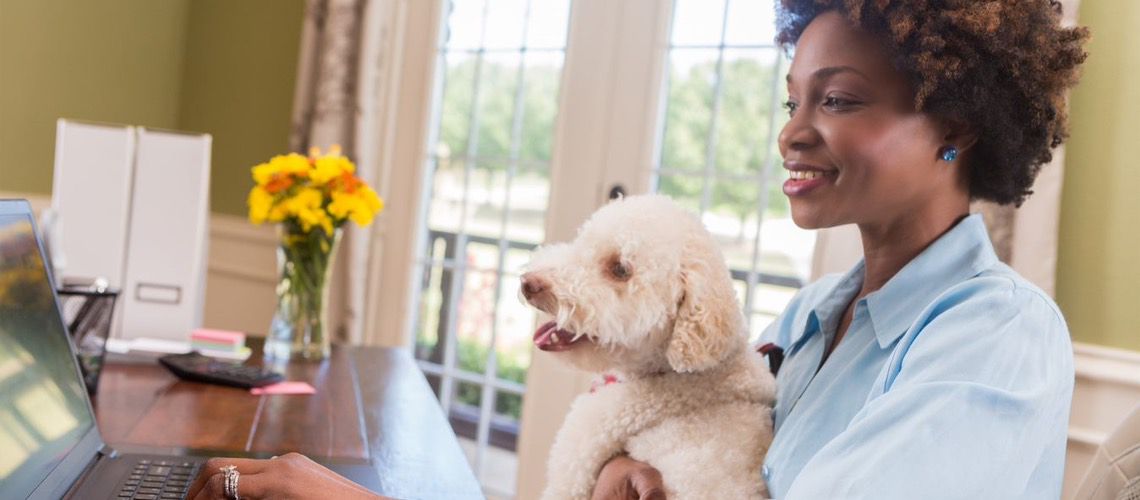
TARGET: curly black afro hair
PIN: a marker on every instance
(1000, 66)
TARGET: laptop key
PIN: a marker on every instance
(146, 497)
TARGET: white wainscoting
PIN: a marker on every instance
(242, 274)
(1107, 389)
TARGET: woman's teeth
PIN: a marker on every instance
(804, 174)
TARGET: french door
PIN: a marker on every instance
(538, 109)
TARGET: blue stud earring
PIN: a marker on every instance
(949, 153)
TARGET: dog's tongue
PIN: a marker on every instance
(549, 337)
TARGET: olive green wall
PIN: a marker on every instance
(241, 65)
(225, 67)
(1098, 273)
(113, 61)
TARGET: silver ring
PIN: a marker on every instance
(230, 485)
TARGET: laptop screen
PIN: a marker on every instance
(43, 406)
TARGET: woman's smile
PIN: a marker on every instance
(804, 178)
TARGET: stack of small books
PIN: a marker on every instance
(219, 343)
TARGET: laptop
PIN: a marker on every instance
(50, 446)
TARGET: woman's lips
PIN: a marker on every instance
(805, 179)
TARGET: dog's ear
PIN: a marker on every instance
(708, 318)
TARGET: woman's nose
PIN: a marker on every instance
(798, 134)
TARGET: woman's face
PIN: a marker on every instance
(856, 150)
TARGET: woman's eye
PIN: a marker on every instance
(839, 103)
(791, 107)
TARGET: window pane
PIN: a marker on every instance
(746, 107)
(508, 405)
(487, 189)
(732, 217)
(540, 104)
(692, 76)
(548, 24)
(684, 189)
(465, 24)
(467, 397)
(446, 208)
(785, 249)
(497, 84)
(455, 118)
(697, 22)
(515, 324)
(473, 329)
(750, 22)
(756, 325)
(530, 194)
(505, 22)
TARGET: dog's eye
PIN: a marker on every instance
(619, 271)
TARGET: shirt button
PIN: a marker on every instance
(766, 472)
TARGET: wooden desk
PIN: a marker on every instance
(371, 404)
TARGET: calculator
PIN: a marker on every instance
(198, 368)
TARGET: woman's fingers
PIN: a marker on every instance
(213, 467)
(648, 484)
(289, 476)
(210, 488)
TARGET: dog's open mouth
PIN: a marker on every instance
(550, 338)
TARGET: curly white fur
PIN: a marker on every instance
(694, 403)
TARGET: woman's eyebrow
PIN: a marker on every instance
(828, 72)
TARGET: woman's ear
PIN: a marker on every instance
(709, 321)
(960, 134)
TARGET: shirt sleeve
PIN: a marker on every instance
(974, 404)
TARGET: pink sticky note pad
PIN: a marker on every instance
(220, 336)
(284, 388)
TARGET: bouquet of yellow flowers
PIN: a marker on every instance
(311, 191)
(312, 197)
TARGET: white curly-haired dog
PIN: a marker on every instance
(644, 291)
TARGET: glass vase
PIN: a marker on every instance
(300, 326)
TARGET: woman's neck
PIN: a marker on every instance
(887, 247)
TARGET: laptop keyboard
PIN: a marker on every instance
(158, 479)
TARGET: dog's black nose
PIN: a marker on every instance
(533, 285)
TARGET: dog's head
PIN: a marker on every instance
(642, 289)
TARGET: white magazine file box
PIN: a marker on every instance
(91, 197)
(164, 291)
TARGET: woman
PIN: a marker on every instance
(930, 370)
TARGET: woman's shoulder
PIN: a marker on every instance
(995, 328)
(996, 309)
(1001, 287)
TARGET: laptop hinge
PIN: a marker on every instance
(107, 451)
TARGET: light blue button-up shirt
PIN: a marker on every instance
(953, 381)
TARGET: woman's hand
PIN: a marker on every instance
(291, 476)
(623, 478)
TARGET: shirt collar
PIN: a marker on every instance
(961, 253)
(830, 305)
